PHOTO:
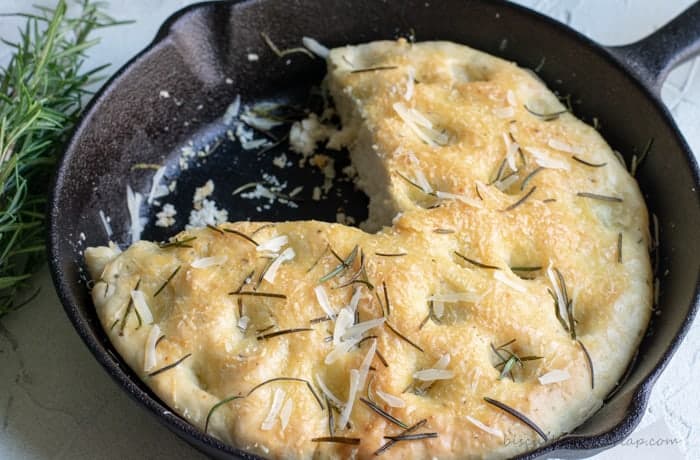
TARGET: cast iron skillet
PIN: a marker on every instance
(202, 46)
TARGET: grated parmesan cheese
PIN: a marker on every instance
(277, 399)
(508, 281)
(133, 204)
(327, 392)
(433, 374)
(207, 262)
(546, 161)
(486, 428)
(464, 199)
(358, 329)
(232, 110)
(315, 47)
(271, 273)
(366, 363)
(504, 112)
(391, 400)
(105, 224)
(157, 190)
(286, 413)
(144, 311)
(352, 393)
(165, 218)
(554, 376)
(273, 244)
(410, 84)
(510, 97)
(556, 144)
(209, 214)
(149, 355)
(420, 125)
(322, 298)
(253, 57)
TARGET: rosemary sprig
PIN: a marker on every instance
(408, 430)
(169, 366)
(337, 440)
(216, 406)
(546, 116)
(517, 414)
(344, 264)
(165, 283)
(475, 262)
(41, 92)
(499, 172)
(595, 196)
(410, 182)
(215, 229)
(512, 360)
(443, 231)
(387, 303)
(128, 309)
(619, 248)
(389, 254)
(178, 243)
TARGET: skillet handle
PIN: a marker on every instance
(653, 57)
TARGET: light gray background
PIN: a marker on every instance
(56, 402)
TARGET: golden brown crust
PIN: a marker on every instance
(461, 92)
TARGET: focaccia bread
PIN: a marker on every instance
(501, 298)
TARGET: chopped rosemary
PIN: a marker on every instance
(521, 200)
(499, 172)
(320, 319)
(216, 229)
(595, 196)
(245, 281)
(128, 309)
(588, 360)
(584, 162)
(258, 282)
(319, 258)
(430, 315)
(570, 323)
(408, 430)
(478, 193)
(383, 413)
(165, 283)
(283, 332)
(415, 185)
(387, 254)
(443, 231)
(284, 52)
(216, 406)
(158, 341)
(242, 235)
(386, 299)
(374, 69)
(178, 243)
(344, 265)
(338, 440)
(379, 355)
(411, 437)
(262, 227)
(331, 418)
(402, 337)
(530, 176)
(546, 116)
(519, 415)
(169, 366)
(287, 379)
(259, 294)
(619, 248)
(624, 378)
(476, 263)
(526, 269)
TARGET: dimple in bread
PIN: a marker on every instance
(508, 270)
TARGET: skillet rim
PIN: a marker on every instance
(566, 444)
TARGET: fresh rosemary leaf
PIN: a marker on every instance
(242, 235)
(374, 69)
(388, 254)
(595, 196)
(258, 294)
(165, 283)
(383, 413)
(337, 440)
(476, 263)
(344, 265)
(284, 332)
(412, 437)
(584, 162)
(178, 243)
(288, 379)
(408, 430)
(402, 337)
(589, 361)
(521, 200)
(530, 176)
(519, 415)
(216, 406)
(169, 366)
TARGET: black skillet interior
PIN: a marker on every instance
(200, 57)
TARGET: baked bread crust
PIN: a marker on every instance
(427, 154)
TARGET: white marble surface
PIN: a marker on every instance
(56, 402)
